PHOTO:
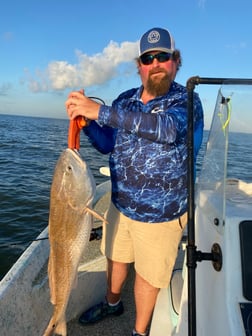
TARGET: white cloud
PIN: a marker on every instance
(237, 46)
(62, 75)
(88, 71)
(5, 89)
(201, 3)
(7, 36)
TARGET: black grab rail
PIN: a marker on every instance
(193, 256)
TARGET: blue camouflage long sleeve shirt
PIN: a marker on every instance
(148, 152)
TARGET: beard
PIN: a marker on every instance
(157, 86)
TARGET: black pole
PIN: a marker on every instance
(191, 248)
(192, 254)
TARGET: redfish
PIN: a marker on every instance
(70, 222)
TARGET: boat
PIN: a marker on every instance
(210, 292)
(216, 298)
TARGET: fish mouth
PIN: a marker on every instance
(77, 155)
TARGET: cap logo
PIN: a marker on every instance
(153, 36)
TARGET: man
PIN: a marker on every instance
(145, 131)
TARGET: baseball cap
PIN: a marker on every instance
(157, 39)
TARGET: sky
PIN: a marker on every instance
(49, 48)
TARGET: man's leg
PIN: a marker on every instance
(116, 275)
(145, 299)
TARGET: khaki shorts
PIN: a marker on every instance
(153, 247)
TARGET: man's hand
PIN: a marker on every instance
(78, 104)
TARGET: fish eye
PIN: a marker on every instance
(69, 169)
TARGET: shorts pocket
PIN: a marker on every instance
(182, 221)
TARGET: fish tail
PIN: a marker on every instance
(53, 328)
(61, 328)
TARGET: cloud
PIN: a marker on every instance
(201, 3)
(5, 88)
(7, 36)
(88, 71)
(236, 47)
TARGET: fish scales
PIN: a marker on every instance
(72, 191)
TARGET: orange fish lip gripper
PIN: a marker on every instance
(75, 127)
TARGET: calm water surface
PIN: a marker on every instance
(29, 149)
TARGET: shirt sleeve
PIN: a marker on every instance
(162, 127)
(102, 138)
(167, 126)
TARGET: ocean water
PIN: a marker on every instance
(29, 149)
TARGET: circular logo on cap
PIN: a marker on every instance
(153, 36)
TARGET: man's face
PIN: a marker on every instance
(157, 76)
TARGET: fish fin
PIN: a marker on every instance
(51, 280)
(54, 328)
(61, 328)
(95, 214)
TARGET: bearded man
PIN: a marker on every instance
(145, 132)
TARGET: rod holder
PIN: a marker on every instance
(215, 256)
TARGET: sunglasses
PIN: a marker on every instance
(162, 57)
